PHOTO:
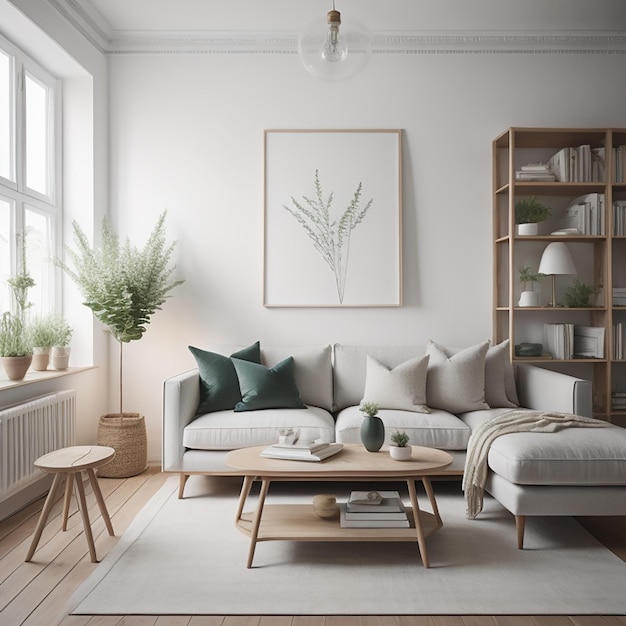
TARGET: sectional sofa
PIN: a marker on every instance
(242, 396)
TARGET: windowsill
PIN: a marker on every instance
(36, 377)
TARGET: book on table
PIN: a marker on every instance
(301, 453)
(378, 522)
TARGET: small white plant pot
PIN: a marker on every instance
(60, 357)
(400, 454)
(529, 298)
(528, 229)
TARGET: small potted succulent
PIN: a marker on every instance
(398, 448)
(372, 428)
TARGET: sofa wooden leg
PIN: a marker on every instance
(520, 522)
(181, 485)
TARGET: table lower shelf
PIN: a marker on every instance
(298, 522)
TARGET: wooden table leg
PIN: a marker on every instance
(100, 500)
(265, 485)
(245, 492)
(419, 529)
(82, 505)
(44, 516)
(69, 480)
(431, 498)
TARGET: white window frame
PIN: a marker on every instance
(16, 191)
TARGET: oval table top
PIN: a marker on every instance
(352, 461)
(75, 458)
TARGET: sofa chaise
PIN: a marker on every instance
(436, 395)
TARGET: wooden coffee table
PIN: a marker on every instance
(298, 522)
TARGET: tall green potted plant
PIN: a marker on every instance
(123, 286)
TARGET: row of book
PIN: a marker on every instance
(619, 164)
(568, 341)
(619, 218)
(578, 164)
(585, 214)
(619, 349)
(362, 511)
(302, 451)
(618, 401)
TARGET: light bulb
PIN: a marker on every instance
(333, 50)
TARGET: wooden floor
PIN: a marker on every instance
(36, 593)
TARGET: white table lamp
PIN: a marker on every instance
(556, 259)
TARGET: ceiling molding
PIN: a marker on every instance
(82, 15)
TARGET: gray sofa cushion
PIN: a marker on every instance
(227, 430)
(437, 429)
(573, 456)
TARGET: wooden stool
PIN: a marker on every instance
(68, 462)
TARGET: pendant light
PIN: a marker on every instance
(334, 48)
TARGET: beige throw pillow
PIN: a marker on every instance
(500, 390)
(456, 382)
(402, 388)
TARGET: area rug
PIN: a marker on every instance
(186, 557)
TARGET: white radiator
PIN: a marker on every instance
(31, 429)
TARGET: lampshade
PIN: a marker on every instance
(556, 259)
(334, 47)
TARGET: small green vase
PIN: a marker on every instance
(372, 433)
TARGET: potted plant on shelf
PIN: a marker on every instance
(48, 332)
(60, 350)
(16, 351)
(124, 287)
(528, 213)
(398, 448)
(372, 428)
(528, 297)
(578, 294)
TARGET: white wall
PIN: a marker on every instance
(187, 135)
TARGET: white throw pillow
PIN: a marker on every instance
(500, 390)
(456, 382)
(402, 388)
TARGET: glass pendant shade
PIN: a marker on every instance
(334, 48)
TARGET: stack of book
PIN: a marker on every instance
(535, 171)
(387, 512)
(619, 296)
(618, 401)
(559, 340)
(302, 451)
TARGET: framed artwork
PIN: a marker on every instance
(333, 218)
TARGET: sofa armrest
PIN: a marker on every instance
(545, 390)
(181, 394)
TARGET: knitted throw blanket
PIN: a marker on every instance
(515, 421)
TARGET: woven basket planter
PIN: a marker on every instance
(126, 434)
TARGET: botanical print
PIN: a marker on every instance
(332, 218)
(330, 237)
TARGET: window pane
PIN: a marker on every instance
(5, 253)
(39, 258)
(37, 149)
(7, 127)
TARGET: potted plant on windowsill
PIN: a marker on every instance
(16, 351)
(528, 213)
(124, 287)
(48, 333)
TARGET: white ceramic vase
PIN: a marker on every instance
(60, 357)
(528, 229)
(529, 298)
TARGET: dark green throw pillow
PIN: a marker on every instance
(219, 385)
(267, 388)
